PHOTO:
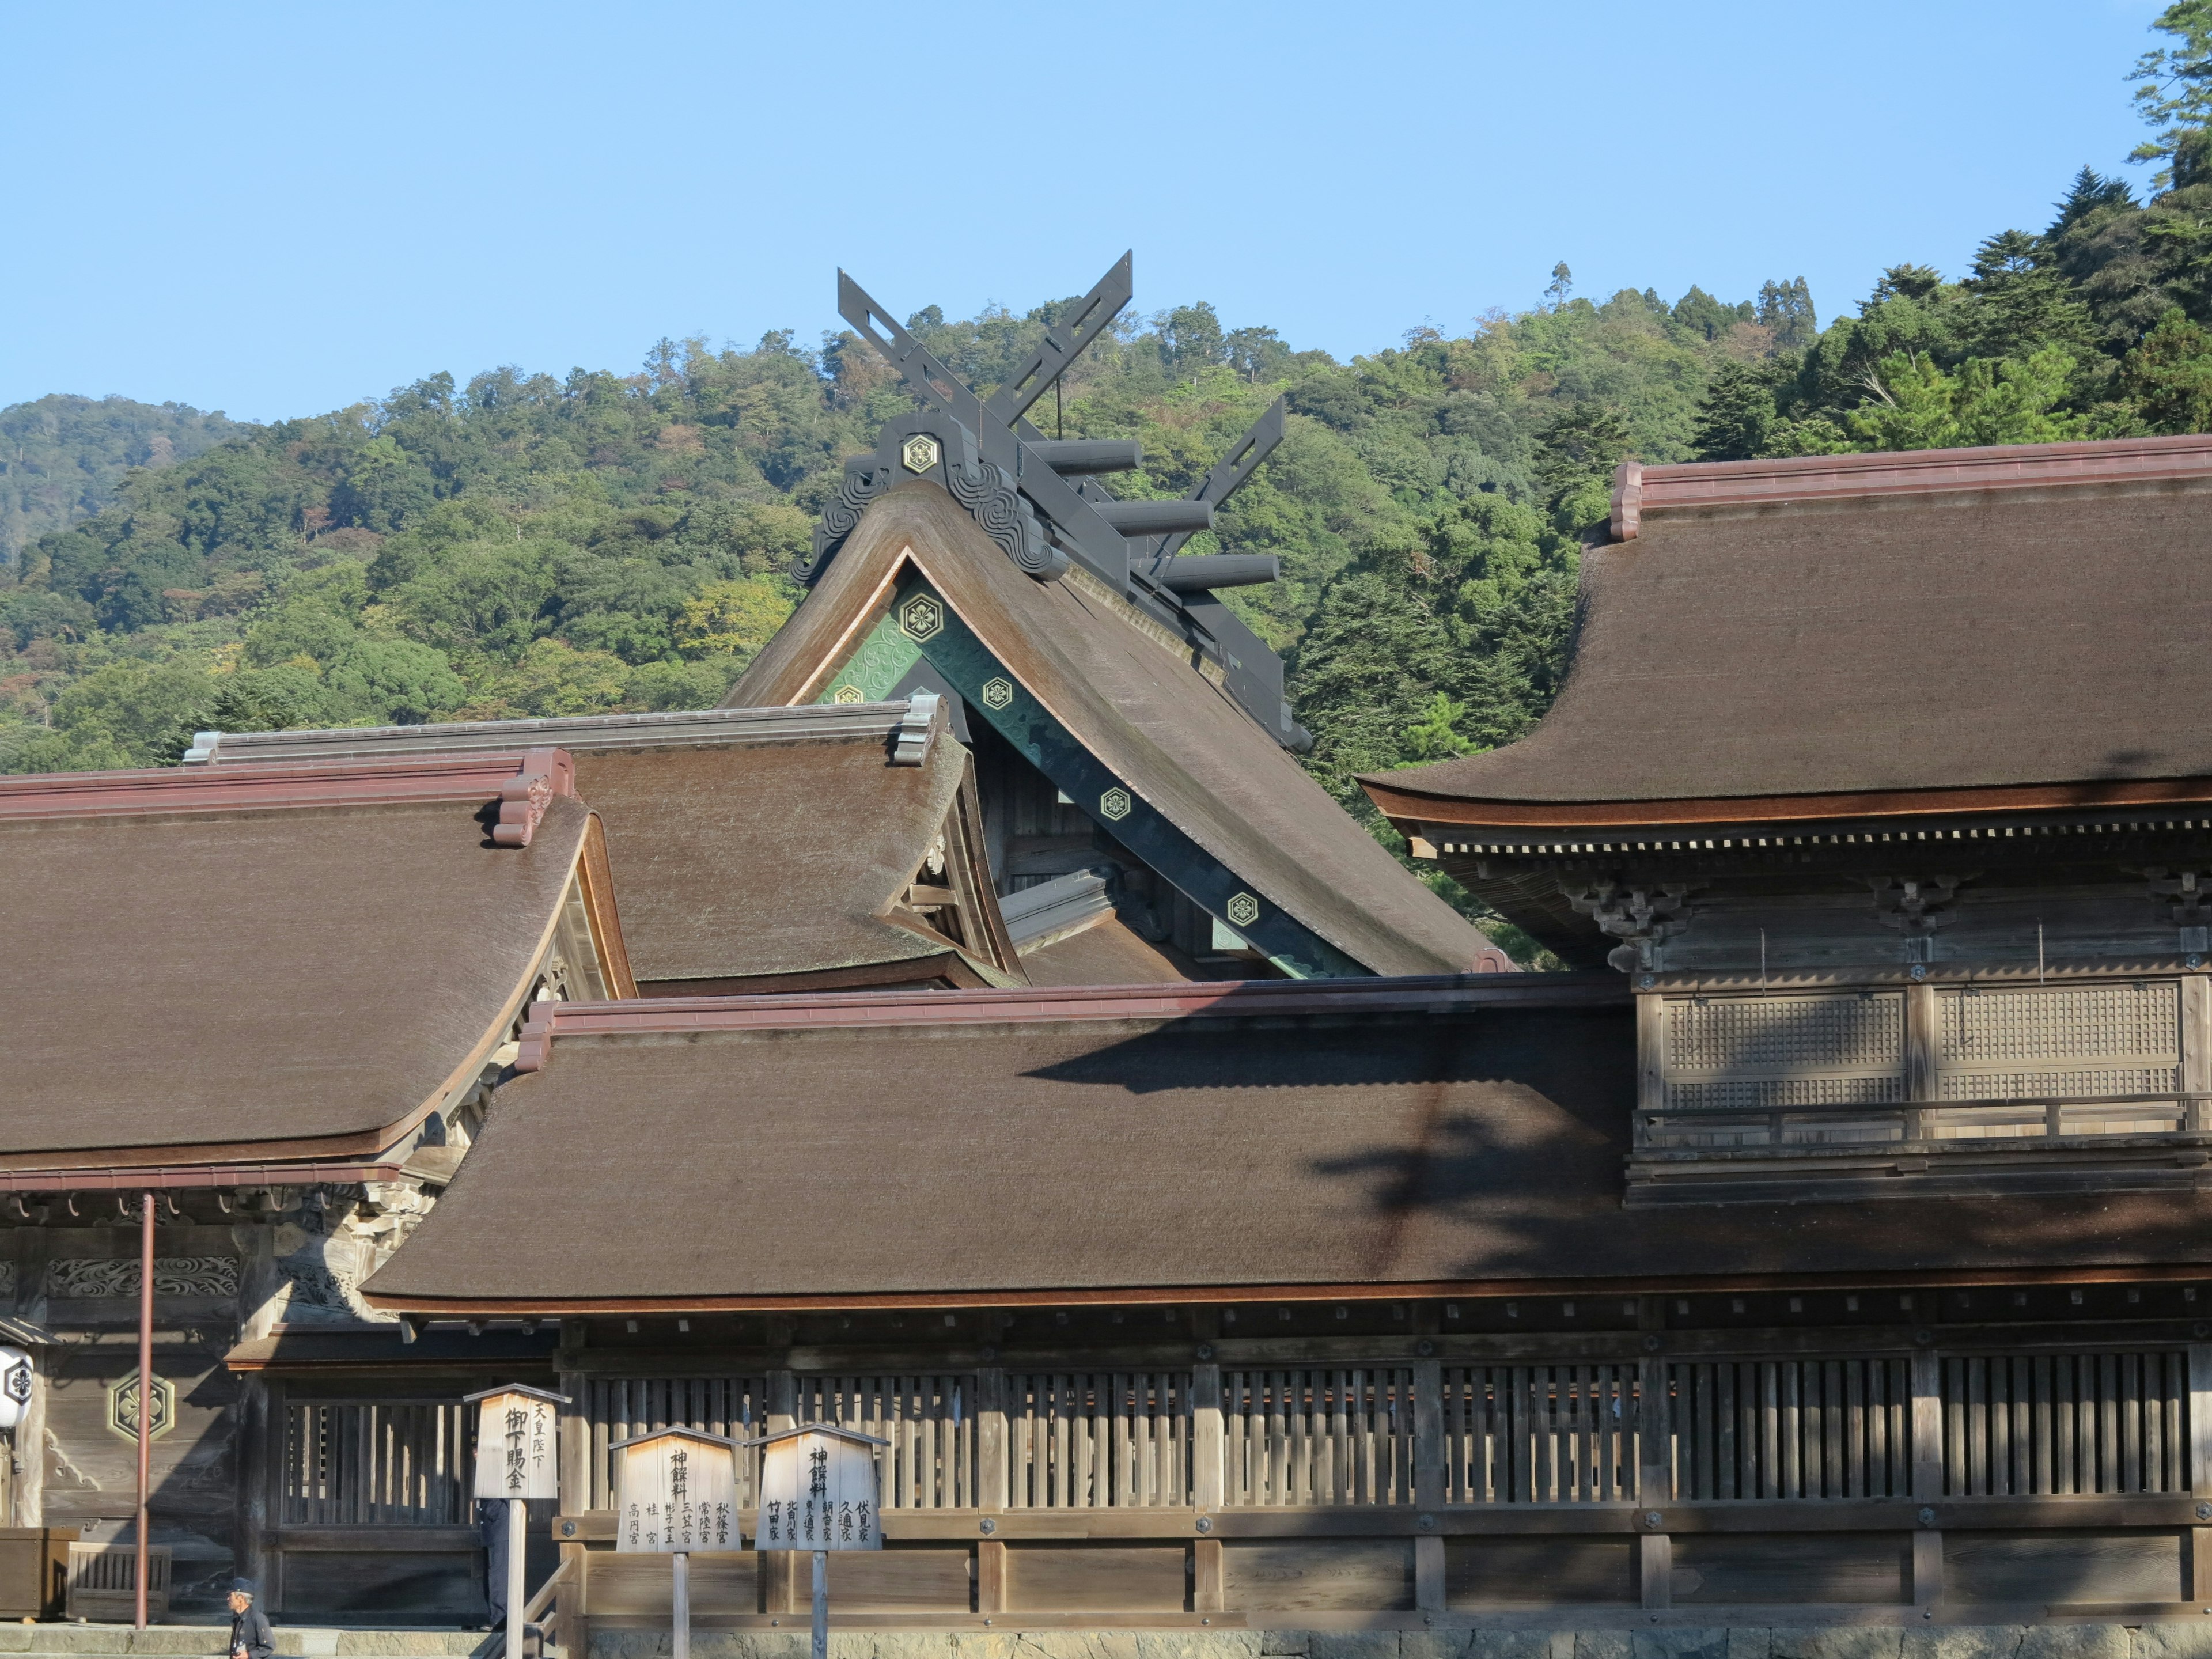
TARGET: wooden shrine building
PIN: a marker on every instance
(759, 849)
(1133, 746)
(1887, 781)
(273, 1001)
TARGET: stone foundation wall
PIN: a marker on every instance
(2148, 1640)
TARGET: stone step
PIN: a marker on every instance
(179, 1641)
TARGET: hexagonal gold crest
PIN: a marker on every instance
(920, 617)
(1115, 805)
(123, 1408)
(998, 693)
(847, 694)
(919, 453)
(1242, 910)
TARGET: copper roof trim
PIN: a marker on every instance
(1639, 491)
(1219, 999)
(1406, 806)
(522, 781)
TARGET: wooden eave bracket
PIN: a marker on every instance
(524, 797)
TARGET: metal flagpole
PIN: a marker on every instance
(145, 1387)
(517, 1529)
(821, 1604)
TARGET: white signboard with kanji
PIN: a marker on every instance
(675, 1491)
(818, 1491)
(517, 1442)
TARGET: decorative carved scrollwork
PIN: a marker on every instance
(173, 1275)
(864, 480)
(998, 506)
(1640, 918)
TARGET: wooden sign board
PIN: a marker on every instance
(818, 1491)
(517, 1441)
(675, 1491)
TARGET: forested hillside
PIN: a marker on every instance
(61, 458)
(523, 544)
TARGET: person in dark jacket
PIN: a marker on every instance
(250, 1635)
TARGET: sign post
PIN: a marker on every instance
(676, 1492)
(819, 1492)
(518, 1459)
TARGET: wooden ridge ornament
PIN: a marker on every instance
(676, 1492)
(819, 1492)
(518, 1458)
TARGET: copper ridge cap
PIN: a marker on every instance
(1219, 999)
(1639, 490)
(667, 728)
(523, 780)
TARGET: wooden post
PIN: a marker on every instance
(1206, 1438)
(780, 1568)
(1927, 1567)
(1654, 1474)
(2200, 1419)
(990, 1576)
(1650, 1051)
(991, 1450)
(572, 1612)
(1920, 1049)
(1655, 1569)
(145, 1389)
(253, 1466)
(821, 1604)
(517, 1536)
(1429, 1482)
(679, 1605)
(1205, 1591)
(1928, 1424)
(2200, 1564)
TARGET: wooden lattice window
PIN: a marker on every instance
(377, 1463)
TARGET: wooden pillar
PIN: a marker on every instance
(573, 1603)
(2199, 1565)
(1921, 1066)
(991, 1450)
(1650, 1050)
(1206, 1482)
(1207, 1439)
(255, 1457)
(1927, 1424)
(2200, 1419)
(779, 1574)
(1429, 1484)
(1654, 1457)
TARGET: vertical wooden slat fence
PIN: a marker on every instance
(2027, 1425)
(376, 1463)
(1541, 1434)
(1317, 1436)
(1098, 1439)
(617, 1408)
(1786, 1429)
(929, 1420)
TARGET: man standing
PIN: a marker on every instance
(250, 1635)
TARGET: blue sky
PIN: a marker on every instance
(276, 209)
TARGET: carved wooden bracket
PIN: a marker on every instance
(1916, 908)
(1642, 919)
(524, 797)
